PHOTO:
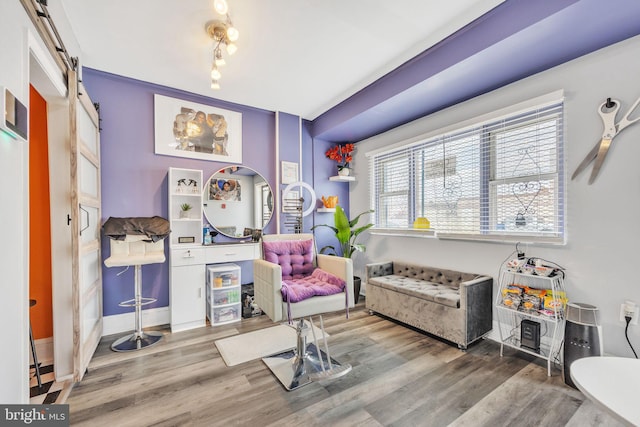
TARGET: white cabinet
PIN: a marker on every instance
(187, 288)
(186, 255)
(530, 310)
(185, 190)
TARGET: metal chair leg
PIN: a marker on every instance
(35, 356)
(138, 339)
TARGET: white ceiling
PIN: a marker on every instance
(296, 56)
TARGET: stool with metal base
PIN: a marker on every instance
(36, 364)
(136, 251)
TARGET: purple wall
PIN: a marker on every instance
(322, 169)
(134, 178)
(289, 140)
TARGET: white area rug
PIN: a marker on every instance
(258, 344)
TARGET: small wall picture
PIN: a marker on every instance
(289, 172)
(198, 131)
(225, 189)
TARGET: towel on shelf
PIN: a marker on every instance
(155, 228)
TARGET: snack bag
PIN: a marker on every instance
(511, 299)
(530, 303)
(555, 301)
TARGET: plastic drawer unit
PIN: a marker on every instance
(223, 293)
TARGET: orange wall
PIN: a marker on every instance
(39, 219)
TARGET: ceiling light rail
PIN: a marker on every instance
(224, 34)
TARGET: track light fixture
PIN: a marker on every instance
(223, 33)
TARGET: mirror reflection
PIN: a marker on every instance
(237, 200)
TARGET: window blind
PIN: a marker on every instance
(495, 179)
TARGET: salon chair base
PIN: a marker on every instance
(136, 341)
(294, 372)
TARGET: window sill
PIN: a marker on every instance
(493, 238)
(404, 232)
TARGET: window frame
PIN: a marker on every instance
(552, 107)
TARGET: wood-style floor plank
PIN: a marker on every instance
(400, 377)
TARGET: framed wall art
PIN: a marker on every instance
(289, 172)
(197, 131)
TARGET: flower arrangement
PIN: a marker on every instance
(341, 154)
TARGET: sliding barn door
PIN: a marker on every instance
(85, 226)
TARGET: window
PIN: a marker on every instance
(497, 179)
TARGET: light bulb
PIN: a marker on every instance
(231, 48)
(215, 73)
(215, 84)
(218, 58)
(233, 33)
(221, 6)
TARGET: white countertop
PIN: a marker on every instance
(611, 382)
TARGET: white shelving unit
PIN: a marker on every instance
(185, 186)
(186, 258)
(551, 324)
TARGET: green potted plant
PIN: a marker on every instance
(184, 210)
(347, 232)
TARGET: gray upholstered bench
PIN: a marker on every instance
(453, 305)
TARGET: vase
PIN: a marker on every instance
(330, 201)
(344, 171)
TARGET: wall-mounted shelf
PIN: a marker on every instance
(326, 209)
(342, 178)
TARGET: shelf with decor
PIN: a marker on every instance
(343, 155)
(530, 307)
(326, 209)
(185, 206)
(342, 178)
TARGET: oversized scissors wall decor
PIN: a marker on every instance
(607, 111)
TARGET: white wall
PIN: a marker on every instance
(603, 219)
(24, 60)
(14, 255)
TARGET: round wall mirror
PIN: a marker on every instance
(237, 201)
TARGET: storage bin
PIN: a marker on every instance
(223, 314)
(223, 296)
(223, 275)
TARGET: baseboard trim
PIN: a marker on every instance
(119, 323)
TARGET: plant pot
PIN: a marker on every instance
(357, 281)
(184, 214)
(344, 172)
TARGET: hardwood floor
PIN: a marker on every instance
(400, 377)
